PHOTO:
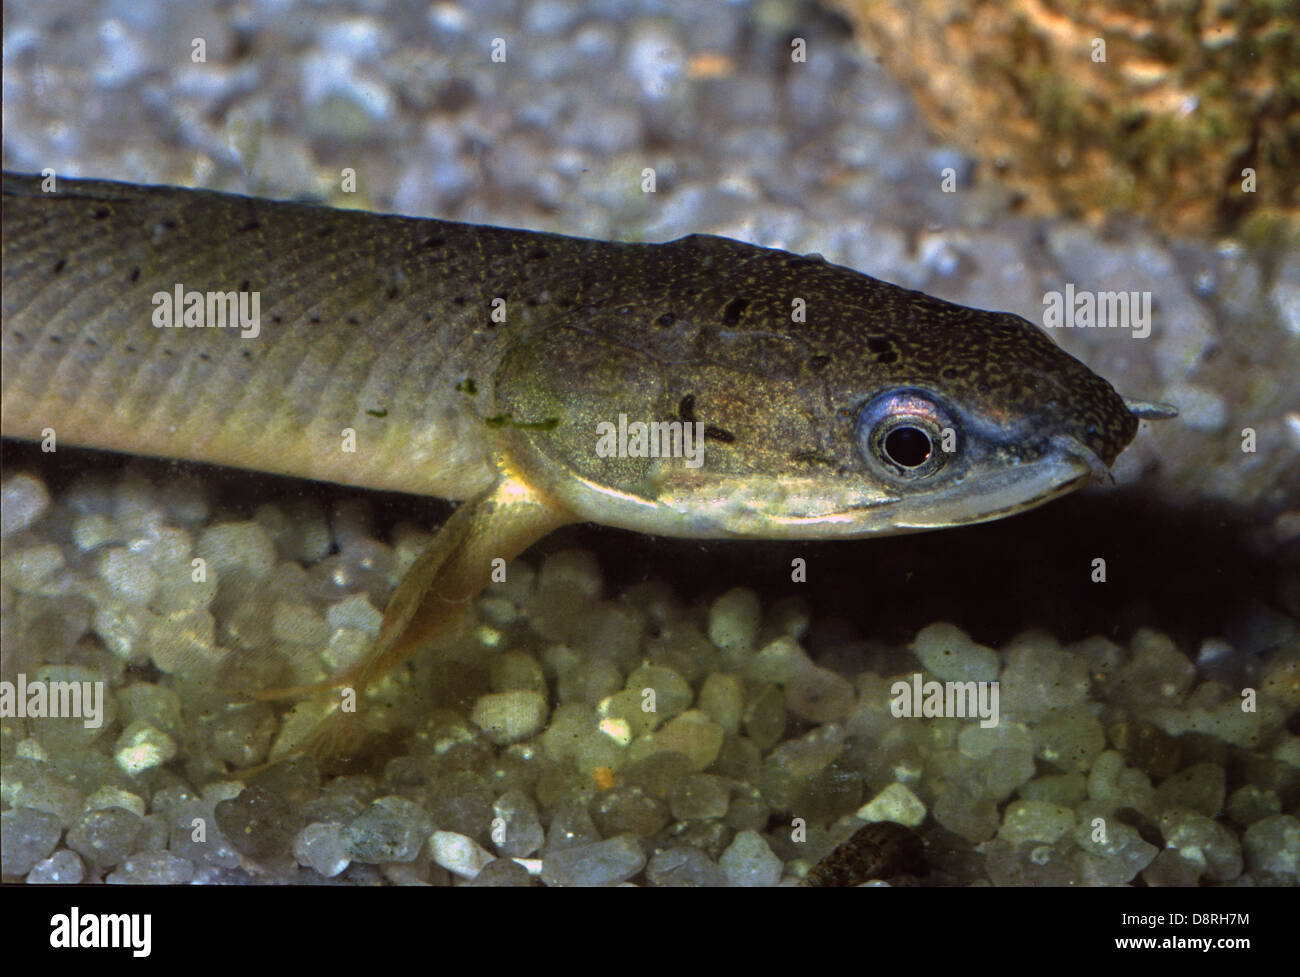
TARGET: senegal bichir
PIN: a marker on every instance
(490, 366)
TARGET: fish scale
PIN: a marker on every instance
(481, 364)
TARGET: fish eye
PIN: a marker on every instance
(900, 434)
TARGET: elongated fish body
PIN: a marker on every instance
(785, 397)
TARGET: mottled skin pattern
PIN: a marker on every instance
(477, 363)
(881, 850)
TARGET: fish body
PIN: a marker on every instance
(785, 397)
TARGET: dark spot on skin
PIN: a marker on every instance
(99, 213)
(434, 241)
(59, 265)
(882, 850)
(666, 320)
(734, 310)
(537, 254)
(502, 420)
(890, 357)
(811, 458)
(252, 225)
(381, 412)
(134, 276)
(819, 362)
(877, 344)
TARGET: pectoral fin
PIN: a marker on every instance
(499, 524)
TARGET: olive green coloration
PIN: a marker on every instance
(514, 370)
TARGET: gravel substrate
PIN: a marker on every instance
(767, 706)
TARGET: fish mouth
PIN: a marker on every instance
(983, 497)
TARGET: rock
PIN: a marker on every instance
(1273, 845)
(1199, 788)
(516, 829)
(698, 796)
(749, 861)
(392, 829)
(24, 499)
(734, 619)
(259, 823)
(153, 868)
(1035, 821)
(684, 867)
(502, 873)
(601, 863)
(508, 717)
(27, 837)
(105, 838)
(61, 868)
(320, 847)
(1211, 847)
(895, 803)
(948, 653)
(458, 854)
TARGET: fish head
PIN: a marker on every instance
(814, 401)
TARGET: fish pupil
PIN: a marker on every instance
(908, 446)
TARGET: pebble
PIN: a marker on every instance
(105, 838)
(1199, 788)
(1035, 821)
(685, 867)
(1206, 843)
(24, 499)
(895, 803)
(142, 747)
(392, 829)
(601, 863)
(699, 796)
(508, 717)
(948, 653)
(1117, 860)
(734, 619)
(503, 873)
(153, 868)
(458, 854)
(27, 837)
(1070, 739)
(749, 861)
(320, 847)
(1272, 844)
(516, 830)
(722, 699)
(61, 868)
(259, 823)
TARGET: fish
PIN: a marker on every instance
(699, 388)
